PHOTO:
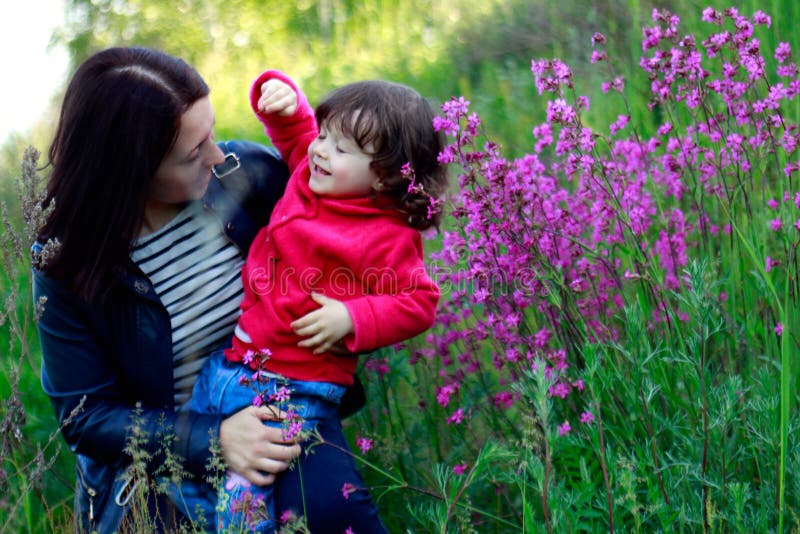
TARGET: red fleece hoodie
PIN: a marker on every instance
(347, 249)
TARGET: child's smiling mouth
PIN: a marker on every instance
(316, 169)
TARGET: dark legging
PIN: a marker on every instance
(325, 469)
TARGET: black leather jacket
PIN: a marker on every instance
(118, 355)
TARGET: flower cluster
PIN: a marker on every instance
(434, 205)
(546, 249)
(250, 507)
(267, 393)
(365, 444)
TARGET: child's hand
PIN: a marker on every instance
(277, 97)
(325, 326)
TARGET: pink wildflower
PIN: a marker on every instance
(779, 329)
(347, 489)
(775, 225)
(378, 365)
(456, 107)
(444, 394)
(286, 516)
(542, 337)
(761, 18)
(617, 84)
(558, 111)
(282, 395)
(559, 390)
(460, 469)
(587, 417)
(664, 129)
(447, 126)
(434, 207)
(598, 56)
(783, 52)
(365, 444)
(456, 418)
(712, 16)
(503, 399)
(598, 38)
(292, 430)
(564, 429)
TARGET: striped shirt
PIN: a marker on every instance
(196, 273)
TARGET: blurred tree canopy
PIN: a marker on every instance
(319, 43)
(479, 49)
(442, 47)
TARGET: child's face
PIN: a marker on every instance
(339, 168)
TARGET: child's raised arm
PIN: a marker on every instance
(287, 116)
(277, 97)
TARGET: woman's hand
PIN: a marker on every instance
(253, 450)
(325, 326)
(277, 97)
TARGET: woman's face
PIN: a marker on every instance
(186, 169)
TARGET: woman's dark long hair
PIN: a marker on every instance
(121, 115)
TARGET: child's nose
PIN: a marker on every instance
(320, 148)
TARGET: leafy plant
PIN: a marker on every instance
(649, 283)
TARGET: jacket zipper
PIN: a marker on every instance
(92, 493)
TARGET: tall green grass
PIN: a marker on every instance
(36, 477)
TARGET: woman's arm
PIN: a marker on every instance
(88, 392)
(78, 371)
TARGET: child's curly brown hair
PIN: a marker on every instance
(398, 122)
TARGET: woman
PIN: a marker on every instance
(145, 280)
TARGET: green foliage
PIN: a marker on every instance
(679, 435)
(35, 471)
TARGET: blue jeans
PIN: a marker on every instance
(312, 487)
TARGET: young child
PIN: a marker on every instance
(339, 269)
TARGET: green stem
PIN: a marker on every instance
(401, 484)
(785, 399)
